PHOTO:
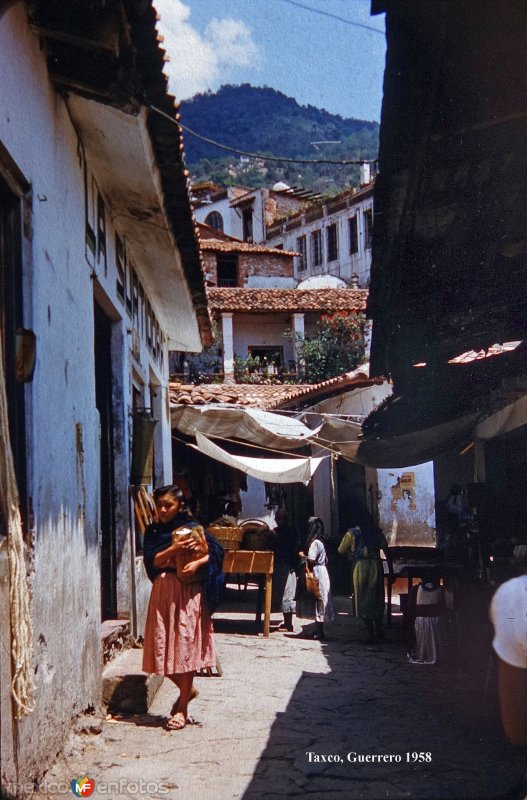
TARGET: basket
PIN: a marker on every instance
(257, 536)
(259, 540)
(229, 538)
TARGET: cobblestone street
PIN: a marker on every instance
(283, 698)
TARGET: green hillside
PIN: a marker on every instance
(262, 120)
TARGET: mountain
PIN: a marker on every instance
(263, 120)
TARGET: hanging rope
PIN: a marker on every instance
(22, 685)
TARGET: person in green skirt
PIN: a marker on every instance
(363, 543)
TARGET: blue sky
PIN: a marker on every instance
(316, 59)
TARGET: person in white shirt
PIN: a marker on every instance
(508, 613)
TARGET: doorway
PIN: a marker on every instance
(104, 404)
(11, 318)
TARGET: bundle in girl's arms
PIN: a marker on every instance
(187, 533)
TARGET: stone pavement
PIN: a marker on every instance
(283, 698)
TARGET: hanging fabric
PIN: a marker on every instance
(272, 470)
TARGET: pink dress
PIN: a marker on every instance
(178, 632)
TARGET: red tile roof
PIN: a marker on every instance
(263, 395)
(293, 300)
(236, 246)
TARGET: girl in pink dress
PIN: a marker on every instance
(178, 634)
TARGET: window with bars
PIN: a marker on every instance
(316, 248)
(101, 233)
(368, 228)
(332, 242)
(227, 269)
(301, 246)
(354, 235)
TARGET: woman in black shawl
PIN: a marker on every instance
(178, 633)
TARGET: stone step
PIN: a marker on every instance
(126, 688)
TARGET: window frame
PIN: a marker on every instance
(301, 246)
(316, 247)
(368, 227)
(222, 260)
(353, 225)
(332, 242)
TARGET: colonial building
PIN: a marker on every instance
(248, 213)
(332, 236)
(100, 275)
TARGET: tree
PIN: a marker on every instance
(337, 346)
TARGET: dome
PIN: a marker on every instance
(322, 282)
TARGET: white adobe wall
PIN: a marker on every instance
(62, 427)
(232, 222)
(262, 330)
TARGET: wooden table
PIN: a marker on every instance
(254, 562)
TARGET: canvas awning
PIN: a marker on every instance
(341, 435)
(272, 470)
(253, 425)
(415, 447)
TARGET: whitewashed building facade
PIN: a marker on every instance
(333, 237)
(100, 266)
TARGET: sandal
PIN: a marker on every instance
(175, 708)
(176, 723)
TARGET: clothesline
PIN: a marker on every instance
(319, 443)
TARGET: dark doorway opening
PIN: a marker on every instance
(11, 318)
(103, 400)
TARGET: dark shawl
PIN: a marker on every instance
(158, 537)
(315, 530)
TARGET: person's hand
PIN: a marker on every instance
(301, 554)
(182, 544)
(190, 568)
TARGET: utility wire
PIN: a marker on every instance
(261, 156)
(334, 16)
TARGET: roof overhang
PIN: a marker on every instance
(105, 59)
(113, 141)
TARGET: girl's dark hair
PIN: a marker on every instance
(173, 491)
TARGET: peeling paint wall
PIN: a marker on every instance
(406, 500)
(62, 421)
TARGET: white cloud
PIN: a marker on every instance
(200, 62)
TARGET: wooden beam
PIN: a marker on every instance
(109, 43)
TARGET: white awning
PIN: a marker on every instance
(244, 424)
(272, 470)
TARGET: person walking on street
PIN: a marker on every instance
(365, 542)
(315, 554)
(285, 567)
(178, 633)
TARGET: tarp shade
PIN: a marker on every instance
(507, 419)
(245, 424)
(271, 470)
(416, 447)
(342, 436)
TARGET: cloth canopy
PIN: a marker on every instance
(415, 447)
(272, 470)
(246, 424)
(341, 435)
